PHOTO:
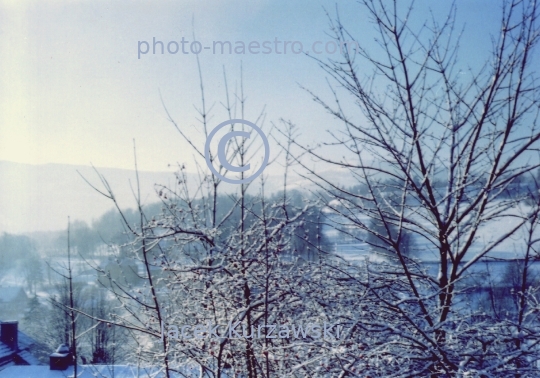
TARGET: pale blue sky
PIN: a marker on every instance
(73, 91)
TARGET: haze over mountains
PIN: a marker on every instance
(41, 197)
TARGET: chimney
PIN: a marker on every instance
(9, 334)
(61, 359)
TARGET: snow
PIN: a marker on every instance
(83, 371)
(510, 249)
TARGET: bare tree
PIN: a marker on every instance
(214, 258)
(65, 304)
(437, 145)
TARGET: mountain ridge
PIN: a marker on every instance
(36, 198)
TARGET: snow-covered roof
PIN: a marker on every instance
(25, 341)
(83, 371)
(5, 351)
(10, 357)
(28, 358)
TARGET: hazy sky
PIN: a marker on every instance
(72, 89)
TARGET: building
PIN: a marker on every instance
(15, 346)
(16, 361)
(83, 371)
(19, 363)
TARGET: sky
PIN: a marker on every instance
(75, 90)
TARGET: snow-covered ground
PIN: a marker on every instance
(493, 267)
